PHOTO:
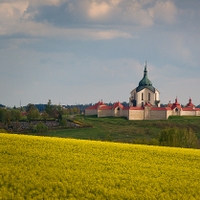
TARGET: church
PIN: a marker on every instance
(144, 104)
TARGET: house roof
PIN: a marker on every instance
(96, 105)
(118, 104)
(136, 108)
(105, 107)
(102, 106)
(190, 104)
(148, 104)
(176, 104)
(189, 109)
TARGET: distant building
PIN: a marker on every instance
(144, 104)
(145, 93)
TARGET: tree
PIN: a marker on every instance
(51, 109)
(45, 116)
(190, 139)
(40, 127)
(6, 116)
(15, 114)
(63, 122)
(30, 106)
(48, 107)
(178, 138)
(33, 114)
(1, 114)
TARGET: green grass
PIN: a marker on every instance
(123, 130)
(35, 167)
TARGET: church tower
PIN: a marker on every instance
(145, 93)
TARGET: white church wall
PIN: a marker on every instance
(105, 113)
(146, 95)
(125, 113)
(157, 97)
(158, 114)
(168, 113)
(117, 112)
(147, 113)
(136, 115)
(198, 113)
(90, 112)
(188, 113)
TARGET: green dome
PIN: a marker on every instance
(145, 82)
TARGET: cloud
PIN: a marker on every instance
(164, 11)
(96, 10)
(101, 13)
(91, 13)
(10, 16)
(37, 3)
(84, 19)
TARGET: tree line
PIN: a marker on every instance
(31, 112)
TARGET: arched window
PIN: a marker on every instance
(142, 97)
(149, 97)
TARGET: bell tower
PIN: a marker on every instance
(145, 92)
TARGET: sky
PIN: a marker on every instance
(83, 51)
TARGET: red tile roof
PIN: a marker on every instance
(96, 105)
(188, 109)
(160, 108)
(190, 104)
(136, 108)
(118, 104)
(105, 107)
(147, 104)
(176, 104)
(102, 106)
(126, 108)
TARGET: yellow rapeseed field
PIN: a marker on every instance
(52, 168)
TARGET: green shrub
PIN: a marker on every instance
(38, 128)
(63, 122)
(177, 137)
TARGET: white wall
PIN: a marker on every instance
(136, 115)
(158, 114)
(90, 112)
(104, 113)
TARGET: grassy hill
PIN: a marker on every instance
(35, 167)
(123, 130)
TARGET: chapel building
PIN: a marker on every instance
(144, 93)
(144, 104)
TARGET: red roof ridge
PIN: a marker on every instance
(135, 108)
(190, 104)
(176, 104)
(96, 105)
(118, 104)
(148, 104)
(160, 108)
(105, 107)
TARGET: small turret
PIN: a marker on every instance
(190, 104)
